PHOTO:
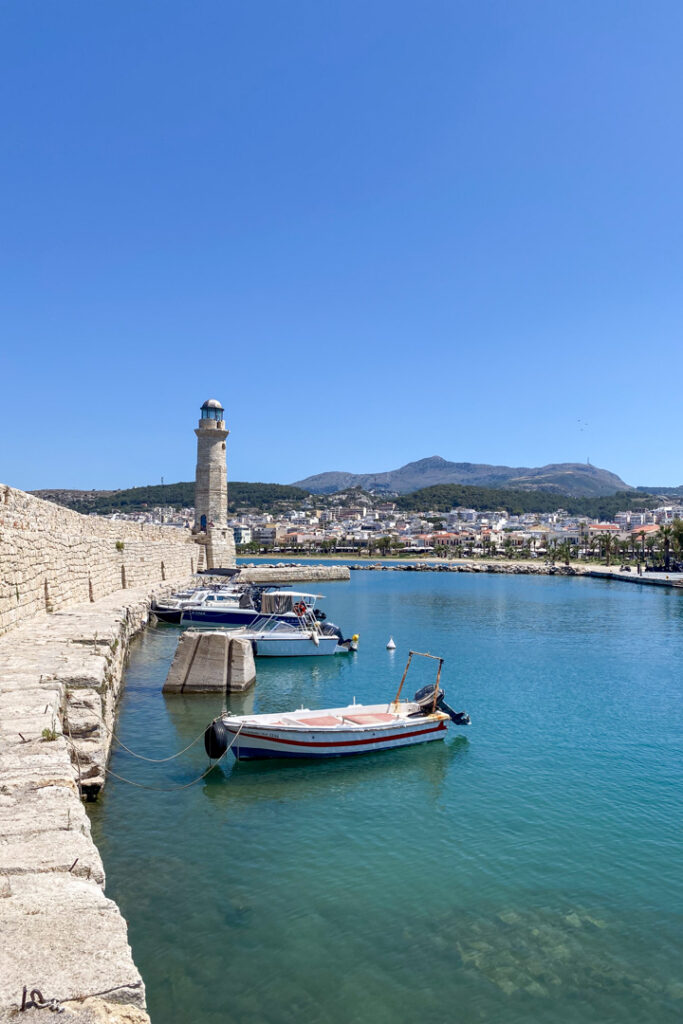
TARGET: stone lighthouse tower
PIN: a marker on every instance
(211, 488)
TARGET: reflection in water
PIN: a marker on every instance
(334, 778)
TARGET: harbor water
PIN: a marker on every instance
(526, 869)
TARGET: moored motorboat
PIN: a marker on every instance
(307, 637)
(171, 610)
(334, 732)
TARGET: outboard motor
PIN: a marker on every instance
(216, 739)
(424, 698)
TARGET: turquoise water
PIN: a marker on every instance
(527, 869)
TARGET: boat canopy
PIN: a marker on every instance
(279, 602)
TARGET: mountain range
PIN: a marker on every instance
(572, 478)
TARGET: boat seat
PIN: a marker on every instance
(376, 718)
(320, 720)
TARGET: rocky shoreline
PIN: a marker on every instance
(507, 568)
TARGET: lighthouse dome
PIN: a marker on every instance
(212, 410)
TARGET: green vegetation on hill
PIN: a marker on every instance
(447, 496)
(279, 497)
(179, 495)
(674, 492)
(263, 496)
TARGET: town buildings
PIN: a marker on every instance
(378, 527)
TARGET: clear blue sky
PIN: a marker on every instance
(375, 230)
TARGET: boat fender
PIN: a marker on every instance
(216, 739)
(254, 647)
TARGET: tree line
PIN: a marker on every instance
(443, 497)
(181, 495)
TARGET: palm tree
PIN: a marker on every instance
(677, 528)
(384, 544)
(608, 547)
(642, 543)
(564, 551)
(665, 538)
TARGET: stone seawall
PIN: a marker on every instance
(51, 557)
(73, 590)
(60, 677)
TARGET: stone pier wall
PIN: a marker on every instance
(60, 677)
(73, 590)
(51, 557)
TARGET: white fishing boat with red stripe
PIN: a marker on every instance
(336, 732)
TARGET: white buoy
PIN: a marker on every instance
(391, 646)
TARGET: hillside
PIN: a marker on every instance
(277, 498)
(567, 478)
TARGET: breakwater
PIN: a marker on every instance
(661, 579)
(294, 573)
(507, 568)
(73, 591)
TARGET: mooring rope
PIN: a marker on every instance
(151, 760)
(174, 789)
(141, 757)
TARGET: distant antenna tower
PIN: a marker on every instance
(588, 461)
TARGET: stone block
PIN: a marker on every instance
(63, 936)
(242, 672)
(211, 662)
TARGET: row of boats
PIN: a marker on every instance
(278, 623)
(287, 623)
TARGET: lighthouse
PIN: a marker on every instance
(211, 488)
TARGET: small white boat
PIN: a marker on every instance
(272, 638)
(334, 732)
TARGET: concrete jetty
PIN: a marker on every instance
(293, 573)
